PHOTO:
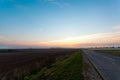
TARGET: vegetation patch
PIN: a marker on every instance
(67, 69)
(112, 52)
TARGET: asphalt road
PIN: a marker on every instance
(107, 65)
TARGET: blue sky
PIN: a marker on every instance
(50, 20)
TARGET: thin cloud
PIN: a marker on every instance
(92, 40)
(6, 42)
(101, 39)
(12, 1)
(21, 6)
(117, 27)
(17, 5)
(3, 39)
(57, 3)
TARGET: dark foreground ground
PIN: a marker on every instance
(48, 64)
(16, 64)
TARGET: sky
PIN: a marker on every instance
(59, 23)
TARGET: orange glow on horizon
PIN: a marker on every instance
(95, 40)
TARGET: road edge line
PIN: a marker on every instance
(96, 69)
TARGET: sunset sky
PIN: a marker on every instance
(59, 23)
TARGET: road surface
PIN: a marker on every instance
(107, 65)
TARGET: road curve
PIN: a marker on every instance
(107, 65)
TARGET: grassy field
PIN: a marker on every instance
(66, 69)
(112, 52)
